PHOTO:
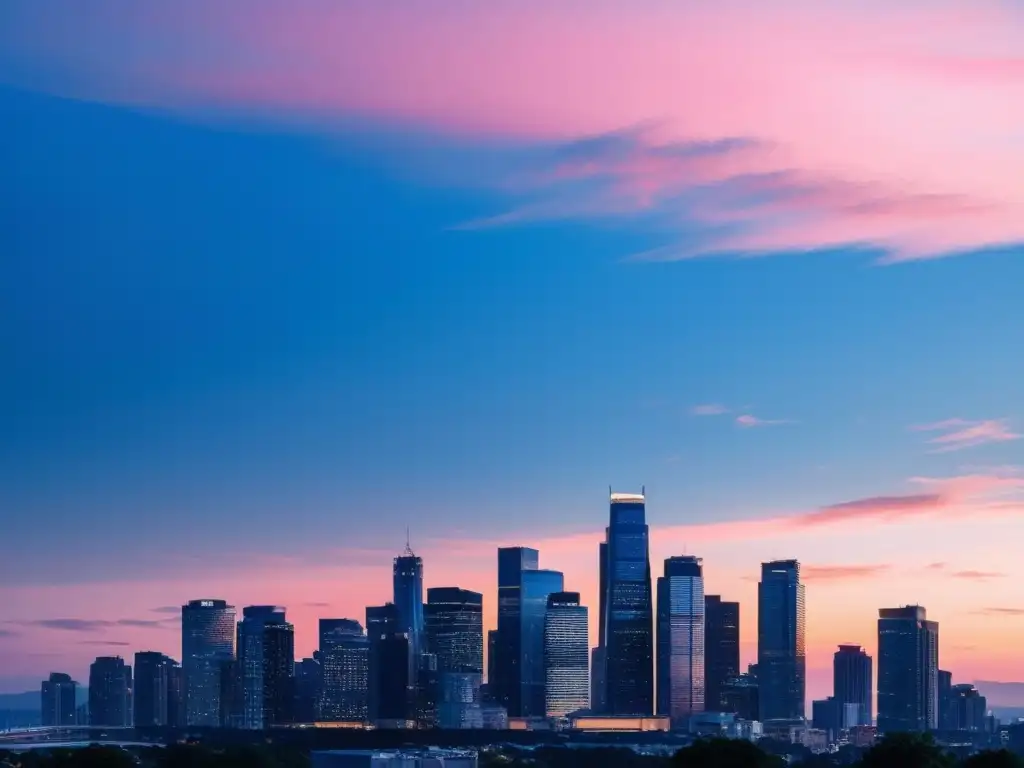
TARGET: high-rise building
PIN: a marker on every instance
(970, 707)
(721, 648)
(309, 688)
(389, 700)
(908, 670)
(455, 635)
(781, 659)
(175, 695)
(506, 686)
(597, 681)
(628, 631)
(740, 696)
(153, 695)
(110, 689)
(408, 598)
(345, 658)
(207, 641)
(852, 683)
(566, 655)
(538, 586)
(232, 697)
(681, 639)
(947, 706)
(266, 660)
(492, 665)
(58, 700)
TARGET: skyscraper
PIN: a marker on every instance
(721, 648)
(908, 670)
(781, 660)
(628, 630)
(266, 661)
(345, 661)
(538, 586)
(408, 599)
(947, 716)
(58, 700)
(207, 641)
(389, 700)
(153, 688)
(566, 656)
(455, 635)
(506, 687)
(110, 686)
(681, 639)
(309, 690)
(969, 707)
(852, 683)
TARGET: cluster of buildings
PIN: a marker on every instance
(667, 657)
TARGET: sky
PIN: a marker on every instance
(279, 280)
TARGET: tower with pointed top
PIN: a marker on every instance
(408, 599)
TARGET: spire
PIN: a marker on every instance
(408, 547)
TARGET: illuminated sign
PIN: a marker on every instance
(206, 603)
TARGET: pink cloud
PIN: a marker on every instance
(958, 434)
(974, 575)
(840, 572)
(709, 409)
(910, 134)
(749, 421)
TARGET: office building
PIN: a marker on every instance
(390, 704)
(597, 681)
(309, 690)
(721, 648)
(154, 695)
(455, 635)
(852, 684)
(491, 685)
(399, 758)
(57, 702)
(781, 659)
(232, 698)
(110, 692)
(408, 599)
(266, 665)
(538, 586)
(598, 656)
(947, 706)
(566, 655)
(207, 641)
(970, 708)
(175, 695)
(628, 609)
(345, 661)
(680, 660)
(740, 696)
(908, 670)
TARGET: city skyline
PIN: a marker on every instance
(267, 314)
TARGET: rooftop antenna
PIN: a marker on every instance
(643, 490)
(408, 547)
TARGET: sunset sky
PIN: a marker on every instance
(278, 280)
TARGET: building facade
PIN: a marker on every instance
(389, 701)
(345, 662)
(407, 582)
(155, 695)
(207, 641)
(455, 635)
(507, 685)
(57, 703)
(781, 650)
(721, 648)
(110, 692)
(628, 630)
(566, 655)
(852, 683)
(266, 664)
(680, 660)
(908, 670)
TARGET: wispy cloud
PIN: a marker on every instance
(977, 575)
(957, 434)
(748, 421)
(8, 633)
(93, 625)
(106, 643)
(709, 409)
(170, 609)
(840, 572)
(1000, 611)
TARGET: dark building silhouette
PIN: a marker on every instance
(825, 715)
(566, 655)
(680, 639)
(969, 707)
(908, 667)
(852, 685)
(428, 689)
(345, 658)
(506, 686)
(266, 664)
(110, 688)
(154, 695)
(389, 702)
(309, 679)
(407, 582)
(231, 697)
(781, 657)
(628, 608)
(455, 636)
(58, 706)
(597, 681)
(721, 648)
(175, 695)
(947, 707)
(492, 664)
(207, 641)
(598, 656)
(740, 695)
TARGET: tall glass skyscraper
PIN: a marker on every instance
(628, 630)
(781, 658)
(408, 600)
(153, 693)
(721, 648)
(538, 586)
(207, 641)
(908, 670)
(391, 701)
(455, 636)
(345, 665)
(566, 655)
(681, 639)
(266, 664)
(852, 682)
(506, 687)
(58, 705)
(110, 692)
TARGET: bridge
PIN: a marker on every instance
(66, 733)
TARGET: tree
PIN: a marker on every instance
(994, 759)
(725, 753)
(907, 750)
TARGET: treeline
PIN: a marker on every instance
(893, 752)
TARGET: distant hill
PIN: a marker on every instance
(1000, 694)
(29, 701)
